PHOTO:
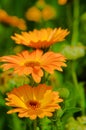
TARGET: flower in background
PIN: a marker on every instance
(8, 80)
(62, 2)
(33, 14)
(48, 13)
(42, 38)
(4, 80)
(12, 20)
(40, 11)
(33, 102)
(34, 63)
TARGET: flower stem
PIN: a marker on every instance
(35, 124)
(80, 94)
(69, 16)
(75, 22)
(56, 123)
(74, 76)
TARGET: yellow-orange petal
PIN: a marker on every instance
(33, 63)
(12, 20)
(28, 103)
(42, 38)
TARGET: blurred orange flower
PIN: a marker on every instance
(26, 63)
(33, 102)
(62, 2)
(48, 13)
(37, 15)
(33, 14)
(42, 38)
(40, 12)
(12, 20)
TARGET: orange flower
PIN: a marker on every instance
(26, 63)
(41, 11)
(48, 13)
(62, 2)
(33, 102)
(12, 20)
(41, 38)
(33, 14)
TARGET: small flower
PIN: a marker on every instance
(12, 20)
(34, 63)
(62, 2)
(41, 11)
(42, 38)
(37, 15)
(48, 13)
(33, 14)
(33, 102)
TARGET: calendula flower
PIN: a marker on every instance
(12, 20)
(34, 63)
(33, 14)
(62, 2)
(40, 12)
(42, 38)
(48, 13)
(37, 15)
(33, 102)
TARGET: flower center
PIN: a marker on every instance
(34, 104)
(32, 64)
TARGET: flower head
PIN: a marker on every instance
(62, 2)
(34, 63)
(12, 20)
(48, 13)
(33, 102)
(33, 14)
(41, 11)
(42, 38)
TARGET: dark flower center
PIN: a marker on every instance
(32, 64)
(34, 104)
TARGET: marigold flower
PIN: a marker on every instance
(33, 102)
(42, 38)
(40, 12)
(34, 63)
(33, 14)
(62, 2)
(48, 13)
(12, 20)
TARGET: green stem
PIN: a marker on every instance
(69, 16)
(40, 124)
(80, 95)
(75, 22)
(56, 123)
(35, 124)
(74, 76)
(16, 122)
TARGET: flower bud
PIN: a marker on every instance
(73, 52)
(64, 92)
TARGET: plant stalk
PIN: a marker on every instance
(75, 32)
